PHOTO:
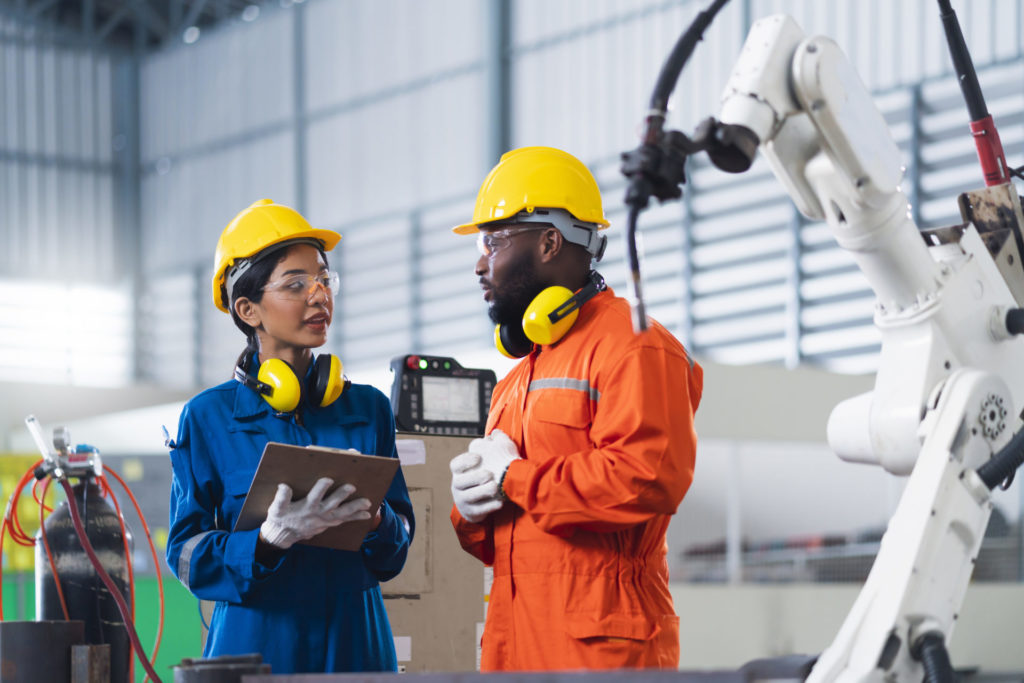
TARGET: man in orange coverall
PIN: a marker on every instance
(590, 439)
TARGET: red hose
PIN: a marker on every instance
(156, 559)
(105, 492)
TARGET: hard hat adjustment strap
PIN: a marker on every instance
(576, 231)
(239, 268)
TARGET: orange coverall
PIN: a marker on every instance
(603, 420)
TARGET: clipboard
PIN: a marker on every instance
(300, 467)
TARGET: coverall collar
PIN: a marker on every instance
(248, 403)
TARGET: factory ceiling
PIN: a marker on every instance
(125, 24)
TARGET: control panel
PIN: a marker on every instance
(436, 395)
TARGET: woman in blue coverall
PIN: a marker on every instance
(304, 608)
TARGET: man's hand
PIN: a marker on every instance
(496, 452)
(289, 522)
(477, 475)
(474, 490)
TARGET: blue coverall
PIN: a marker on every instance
(313, 609)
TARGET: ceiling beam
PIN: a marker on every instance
(41, 8)
(193, 14)
(89, 19)
(152, 20)
(112, 22)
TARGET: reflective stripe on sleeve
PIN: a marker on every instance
(185, 559)
(565, 383)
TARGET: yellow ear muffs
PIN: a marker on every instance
(281, 387)
(548, 318)
(328, 380)
(540, 326)
(511, 342)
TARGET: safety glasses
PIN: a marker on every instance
(490, 242)
(302, 286)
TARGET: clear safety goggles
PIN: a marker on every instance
(303, 286)
(577, 232)
(490, 242)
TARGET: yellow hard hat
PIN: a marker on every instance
(261, 225)
(536, 177)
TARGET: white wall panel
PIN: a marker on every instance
(187, 207)
(362, 49)
(56, 190)
(396, 153)
(239, 80)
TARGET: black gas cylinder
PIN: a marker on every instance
(87, 597)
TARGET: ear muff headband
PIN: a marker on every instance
(280, 387)
(548, 318)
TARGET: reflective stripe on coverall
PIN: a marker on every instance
(604, 422)
(315, 609)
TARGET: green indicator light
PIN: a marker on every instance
(423, 364)
(447, 365)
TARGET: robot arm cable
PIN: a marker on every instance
(1004, 463)
(983, 128)
(656, 167)
(962, 63)
(673, 66)
(930, 650)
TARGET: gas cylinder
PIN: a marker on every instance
(86, 595)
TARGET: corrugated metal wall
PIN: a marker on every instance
(64, 308)
(56, 166)
(378, 119)
(379, 126)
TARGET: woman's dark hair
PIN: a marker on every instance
(250, 286)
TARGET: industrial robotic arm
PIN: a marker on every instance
(950, 383)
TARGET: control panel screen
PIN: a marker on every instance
(451, 399)
(436, 395)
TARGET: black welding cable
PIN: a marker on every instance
(638, 309)
(1015, 321)
(677, 59)
(930, 650)
(962, 64)
(1004, 463)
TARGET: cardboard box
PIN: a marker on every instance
(436, 605)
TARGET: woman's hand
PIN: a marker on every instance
(290, 521)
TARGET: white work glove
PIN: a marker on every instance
(474, 490)
(496, 452)
(477, 475)
(290, 521)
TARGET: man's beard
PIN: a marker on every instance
(509, 305)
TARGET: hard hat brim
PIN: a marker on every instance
(466, 229)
